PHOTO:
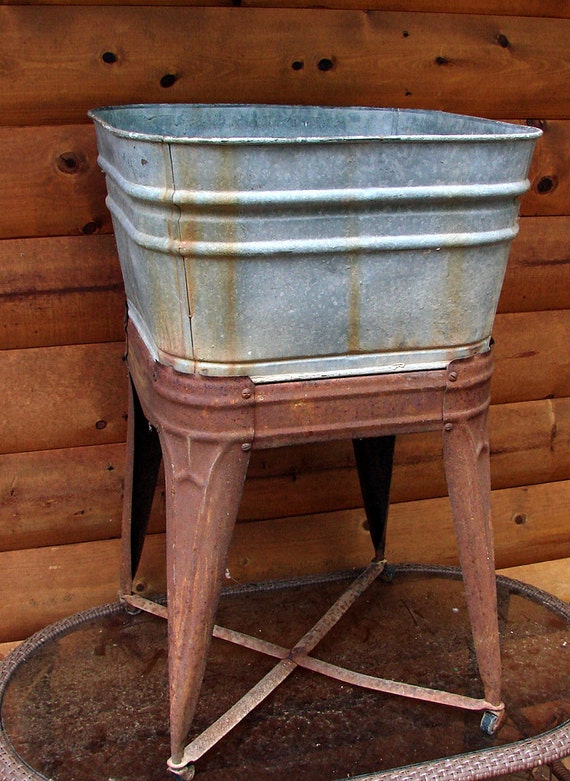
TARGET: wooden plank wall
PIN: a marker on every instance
(62, 419)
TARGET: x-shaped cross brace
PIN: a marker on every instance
(298, 656)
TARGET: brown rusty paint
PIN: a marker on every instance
(467, 469)
(467, 387)
(208, 427)
(309, 410)
(299, 656)
(204, 406)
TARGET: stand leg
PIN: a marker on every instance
(374, 460)
(204, 482)
(466, 455)
(143, 462)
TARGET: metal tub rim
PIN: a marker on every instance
(499, 131)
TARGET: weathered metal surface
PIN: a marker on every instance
(143, 460)
(215, 732)
(374, 461)
(207, 428)
(86, 698)
(467, 470)
(299, 656)
(282, 242)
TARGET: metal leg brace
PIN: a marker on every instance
(298, 656)
(207, 429)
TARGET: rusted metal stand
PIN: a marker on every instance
(207, 427)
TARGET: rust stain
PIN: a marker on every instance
(453, 322)
(354, 305)
(227, 182)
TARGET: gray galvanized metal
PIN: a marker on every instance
(282, 242)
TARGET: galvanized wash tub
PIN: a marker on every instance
(285, 242)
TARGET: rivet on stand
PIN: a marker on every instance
(246, 393)
(452, 376)
(246, 446)
(448, 426)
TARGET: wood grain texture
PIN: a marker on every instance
(550, 576)
(61, 264)
(5, 649)
(454, 62)
(538, 272)
(86, 574)
(79, 576)
(57, 397)
(418, 531)
(66, 317)
(64, 290)
(553, 8)
(50, 183)
(56, 497)
(540, 8)
(531, 356)
(544, 8)
(550, 187)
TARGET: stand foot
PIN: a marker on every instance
(492, 721)
(129, 609)
(467, 469)
(187, 772)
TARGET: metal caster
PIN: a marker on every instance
(491, 722)
(130, 610)
(186, 773)
(387, 574)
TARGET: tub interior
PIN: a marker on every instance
(197, 122)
